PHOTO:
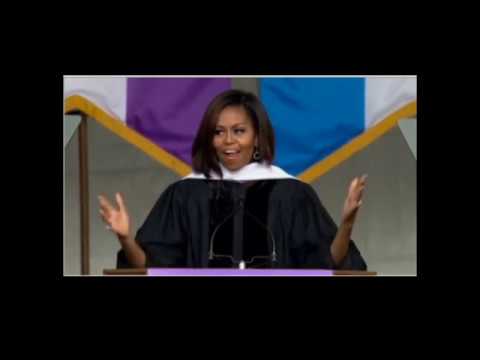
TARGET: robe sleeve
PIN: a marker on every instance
(163, 236)
(314, 230)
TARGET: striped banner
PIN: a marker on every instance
(318, 122)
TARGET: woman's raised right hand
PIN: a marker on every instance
(116, 218)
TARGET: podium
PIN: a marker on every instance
(216, 272)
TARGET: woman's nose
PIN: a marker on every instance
(228, 137)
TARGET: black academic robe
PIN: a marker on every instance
(190, 213)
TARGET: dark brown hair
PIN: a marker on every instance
(204, 157)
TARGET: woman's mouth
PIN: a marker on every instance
(231, 154)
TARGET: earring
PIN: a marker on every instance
(256, 154)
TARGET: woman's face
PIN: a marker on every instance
(234, 139)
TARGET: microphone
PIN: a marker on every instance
(274, 249)
(239, 205)
(236, 208)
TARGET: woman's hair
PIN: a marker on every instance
(204, 156)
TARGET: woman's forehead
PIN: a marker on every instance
(233, 115)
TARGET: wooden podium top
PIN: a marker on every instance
(169, 272)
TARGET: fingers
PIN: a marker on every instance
(363, 180)
(360, 185)
(354, 188)
(105, 211)
(105, 219)
(104, 216)
(105, 204)
(360, 181)
(120, 203)
(355, 193)
(360, 193)
(353, 185)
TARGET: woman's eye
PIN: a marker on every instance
(218, 131)
(239, 131)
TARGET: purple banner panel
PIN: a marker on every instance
(168, 111)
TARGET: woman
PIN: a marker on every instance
(237, 209)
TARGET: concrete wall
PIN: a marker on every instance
(114, 166)
(386, 228)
